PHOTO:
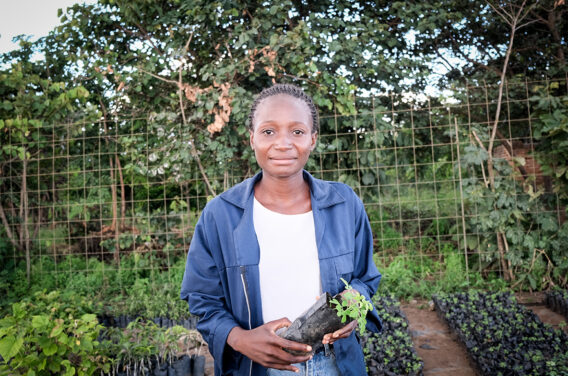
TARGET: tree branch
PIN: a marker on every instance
(504, 16)
(182, 108)
(472, 61)
(485, 181)
(515, 18)
(7, 228)
(159, 77)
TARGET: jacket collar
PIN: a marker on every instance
(322, 193)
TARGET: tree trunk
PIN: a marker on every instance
(553, 16)
(24, 231)
(512, 20)
(122, 193)
(113, 225)
(9, 233)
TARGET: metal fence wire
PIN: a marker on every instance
(123, 187)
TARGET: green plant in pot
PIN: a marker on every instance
(326, 315)
(352, 306)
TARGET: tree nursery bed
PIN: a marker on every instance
(557, 300)
(503, 337)
(391, 352)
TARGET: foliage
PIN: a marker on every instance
(502, 336)
(191, 68)
(551, 132)
(144, 286)
(51, 336)
(420, 276)
(391, 351)
(557, 300)
(532, 234)
(468, 39)
(352, 306)
(130, 114)
(144, 343)
(30, 101)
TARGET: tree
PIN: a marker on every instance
(470, 39)
(31, 105)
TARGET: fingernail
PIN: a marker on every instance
(309, 348)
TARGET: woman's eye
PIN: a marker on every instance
(268, 131)
(298, 132)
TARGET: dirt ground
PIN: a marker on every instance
(442, 354)
(433, 341)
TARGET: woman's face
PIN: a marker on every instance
(282, 137)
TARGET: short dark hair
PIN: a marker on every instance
(287, 89)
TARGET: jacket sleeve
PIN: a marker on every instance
(202, 289)
(366, 276)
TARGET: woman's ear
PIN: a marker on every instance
(251, 139)
(314, 141)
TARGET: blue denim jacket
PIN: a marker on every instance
(221, 280)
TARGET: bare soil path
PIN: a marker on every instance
(442, 354)
(534, 301)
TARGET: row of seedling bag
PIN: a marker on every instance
(502, 337)
(60, 334)
(557, 300)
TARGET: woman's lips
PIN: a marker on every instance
(283, 159)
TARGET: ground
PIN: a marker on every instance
(442, 354)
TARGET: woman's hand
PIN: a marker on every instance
(346, 330)
(265, 347)
(340, 333)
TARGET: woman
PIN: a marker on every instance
(265, 249)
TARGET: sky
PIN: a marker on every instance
(30, 17)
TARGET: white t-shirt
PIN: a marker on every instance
(289, 265)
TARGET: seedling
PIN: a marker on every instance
(502, 335)
(390, 352)
(353, 306)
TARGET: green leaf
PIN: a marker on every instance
(69, 371)
(39, 322)
(368, 178)
(56, 331)
(89, 317)
(9, 347)
(50, 349)
(532, 281)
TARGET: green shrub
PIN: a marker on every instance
(418, 275)
(51, 335)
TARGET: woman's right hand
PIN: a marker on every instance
(265, 347)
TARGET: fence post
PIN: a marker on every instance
(461, 199)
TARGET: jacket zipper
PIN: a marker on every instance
(245, 289)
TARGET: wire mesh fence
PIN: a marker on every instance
(131, 186)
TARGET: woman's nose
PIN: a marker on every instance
(283, 142)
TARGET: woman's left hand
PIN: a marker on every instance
(339, 334)
(343, 332)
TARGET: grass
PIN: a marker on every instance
(409, 276)
(143, 284)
